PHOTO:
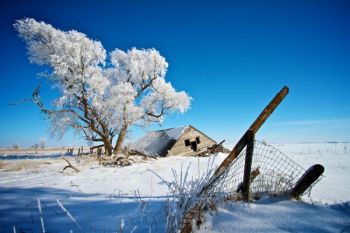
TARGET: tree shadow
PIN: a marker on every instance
(92, 212)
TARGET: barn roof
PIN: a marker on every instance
(157, 143)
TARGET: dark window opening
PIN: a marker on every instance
(198, 140)
(187, 142)
(194, 146)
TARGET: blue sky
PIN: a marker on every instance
(232, 57)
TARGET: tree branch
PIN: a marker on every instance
(144, 86)
(70, 165)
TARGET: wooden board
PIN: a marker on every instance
(191, 133)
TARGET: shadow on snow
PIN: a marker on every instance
(93, 212)
(24, 157)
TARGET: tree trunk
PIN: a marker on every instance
(108, 146)
(119, 143)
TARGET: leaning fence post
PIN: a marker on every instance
(308, 178)
(248, 164)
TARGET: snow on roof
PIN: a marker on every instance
(157, 143)
(174, 133)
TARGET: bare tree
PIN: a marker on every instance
(15, 146)
(42, 143)
(35, 146)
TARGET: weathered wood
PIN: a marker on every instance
(210, 150)
(248, 164)
(136, 152)
(98, 146)
(243, 141)
(214, 147)
(121, 161)
(191, 133)
(99, 151)
(99, 159)
(253, 175)
(255, 127)
(308, 178)
(69, 165)
(70, 151)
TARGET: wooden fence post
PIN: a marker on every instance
(268, 110)
(248, 164)
(238, 148)
(99, 151)
(308, 178)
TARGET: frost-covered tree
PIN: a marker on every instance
(100, 96)
(139, 87)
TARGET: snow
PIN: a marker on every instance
(335, 157)
(175, 133)
(276, 215)
(326, 210)
(157, 143)
(106, 199)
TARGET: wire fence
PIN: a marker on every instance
(273, 173)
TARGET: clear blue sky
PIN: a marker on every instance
(230, 56)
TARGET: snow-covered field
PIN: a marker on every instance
(132, 199)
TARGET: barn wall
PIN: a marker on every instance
(179, 147)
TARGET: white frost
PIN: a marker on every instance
(109, 92)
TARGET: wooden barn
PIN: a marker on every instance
(185, 140)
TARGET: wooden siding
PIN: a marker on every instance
(191, 133)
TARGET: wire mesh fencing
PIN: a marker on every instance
(273, 173)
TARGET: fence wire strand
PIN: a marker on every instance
(277, 175)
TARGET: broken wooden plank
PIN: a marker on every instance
(214, 147)
(210, 150)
